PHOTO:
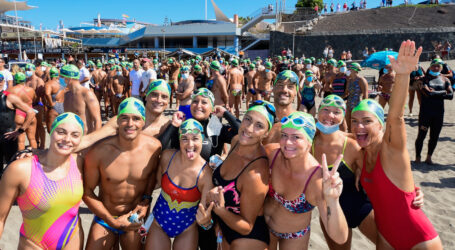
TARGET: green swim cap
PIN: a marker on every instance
(198, 58)
(266, 109)
(215, 65)
(333, 101)
(288, 75)
(70, 71)
(155, 61)
(67, 117)
(371, 106)
(300, 121)
(355, 66)
(19, 77)
(53, 72)
(160, 85)
(307, 61)
(44, 63)
(437, 61)
(185, 68)
(252, 66)
(99, 65)
(111, 61)
(312, 59)
(268, 65)
(191, 126)
(170, 60)
(29, 67)
(205, 93)
(197, 68)
(131, 105)
(341, 64)
(235, 62)
(332, 62)
(309, 73)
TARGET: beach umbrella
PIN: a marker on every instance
(379, 59)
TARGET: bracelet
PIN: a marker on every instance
(208, 227)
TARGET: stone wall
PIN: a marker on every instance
(313, 45)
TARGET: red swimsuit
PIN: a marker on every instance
(401, 224)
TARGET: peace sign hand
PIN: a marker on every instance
(407, 59)
(204, 216)
(332, 185)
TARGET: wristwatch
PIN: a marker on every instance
(20, 130)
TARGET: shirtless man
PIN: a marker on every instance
(385, 85)
(315, 69)
(184, 91)
(37, 84)
(106, 88)
(80, 100)
(265, 79)
(124, 167)
(99, 76)
(54, 94)
(235, 81)
(251, 94)
(219, 88)
(117, 86)
(328, 78)
(174, 71)
(27, 95)
(284, 91)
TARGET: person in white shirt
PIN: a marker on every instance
(6, 74)
(136, 79)
(84, 74)
(148, 76)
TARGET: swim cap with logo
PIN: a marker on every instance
(288, 75)
(355, 66)
(300, 121)
(371, 106)
(67, 117)
(215, 65)
(160, 85)
(333, 101)
(70, 71)
(191, 126)
(197, 68)
(266, 109)
(19, 77)
(131, 105)
(53, 72)
(268, 65)
(205, 93)
(30, 66)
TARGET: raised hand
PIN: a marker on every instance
(407, 58)
(178, 118)
(219, 111)
(332, 185)
(204, 216)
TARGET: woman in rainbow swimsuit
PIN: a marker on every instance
(48, 189)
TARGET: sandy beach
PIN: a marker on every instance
(437, 182)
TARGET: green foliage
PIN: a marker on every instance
(243, 20)
(310, 3)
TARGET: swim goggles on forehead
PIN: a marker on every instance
(338, 103)
(269, 107)
(185, 131)
(291, 76)
(195, 129)
(297, 122)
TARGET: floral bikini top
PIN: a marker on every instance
(298, 206)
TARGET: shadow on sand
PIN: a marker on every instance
(444, 183)
(426, 168)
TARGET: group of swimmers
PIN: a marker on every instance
(282, 163)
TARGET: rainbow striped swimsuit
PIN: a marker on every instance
(50, 208)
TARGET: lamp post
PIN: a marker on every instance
(164, 42)
(18, 34)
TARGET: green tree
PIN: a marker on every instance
(310, 3)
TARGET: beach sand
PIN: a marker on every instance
(437, 183)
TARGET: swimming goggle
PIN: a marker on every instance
(297, 122)
(269, 107)
(338, 103)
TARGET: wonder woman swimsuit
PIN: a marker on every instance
(176, 207)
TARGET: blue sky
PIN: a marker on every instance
(49, 12)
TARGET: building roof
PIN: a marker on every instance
(9, 6)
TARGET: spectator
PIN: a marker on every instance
(331, 52)
(343, 55)
(332, 6)
(349, 56)
(316, 8)
(325, 8)
(361, 4)
(338, 7)
(326, 52)
(365, 4)
(365, 53)
(345, 6)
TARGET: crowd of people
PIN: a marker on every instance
(239, 184)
